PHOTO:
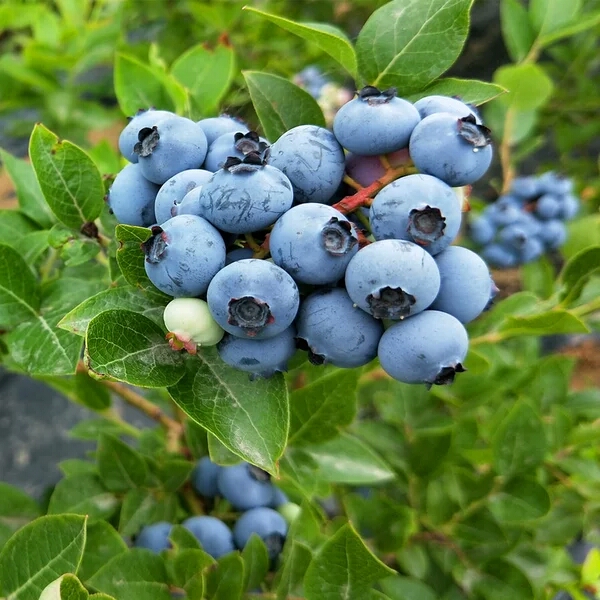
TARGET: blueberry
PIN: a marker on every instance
(279, 498)
(238, 254)
(238, 144)
(531, 250)
(129, 136)
(482, 230)
(204, 477)
(246, 196)
(375, 122)
(173, 191)
(215, 127)
(154, 537)
(367, 169)
(253, 298)
(336, 332)
(312, 159)
(514, 236)
(579, 550)
(184, 255)
(570, 207)
(553, 234)
(465, 284)
(131, 197)
(214, 536)
(427, 348)
(500, 256)
(172, 145)
(502, 213)
(525, 187)
(430, 105)
(417, 208)
(260, 358)
(457, 151)
(245, 486)
(392, 279)
(190, 324)
(313, 243)
(267, 523)
(548, 207)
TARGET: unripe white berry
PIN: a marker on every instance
(190, 321)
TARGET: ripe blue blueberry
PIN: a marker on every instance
(154, 537)
(456, 150)
(129, 136)
(169, 147)
(267, 523)
(253, 298)
(215, 127)
(336, 332)
(279, 498)
(392, 279)
(246, 196)
(204, 477)
(184, 255)
(482, 230)
(173, 191)
(375, 122)
(445, 104)
(514, 236)
(553, 234)
(417, 208)
(245, 486)
(214, 536)
(260, 358)
(312, 159)
(427, 348)
(548, 207)
(238, 254)
(465, 284)
(570, 207)
(501, 256)
(236, 144)
(313, 243)
(525, 187)
(531, 250)
(131, 197)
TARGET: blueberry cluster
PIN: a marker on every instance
(248, 490)
(526, 222)
(220, 199)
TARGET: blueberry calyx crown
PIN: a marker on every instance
(258, 474)
(446, 375)
(338, 237)
(249, 142)
(155, 247)
(479, 136)
(373, 95)
(249, 313)
(250, 163)
(426, 225)
(148, 140)
(390, 303)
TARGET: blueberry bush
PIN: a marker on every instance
(346, 404)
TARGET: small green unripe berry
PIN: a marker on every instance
(289, 511)
(190, 324)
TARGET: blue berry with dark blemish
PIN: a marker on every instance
(265, 522)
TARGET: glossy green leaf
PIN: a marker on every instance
(550, 15)
(66, 587)
(407, 588)
(281, 105)
(296, 559)
(32, 246)
(130, 256)
(120, 467)
(189, 568)
(256, 562)
(502, 580)
(126, 346)
(173, 473)
(33, 557)
(103, 543)
(577, 272)
(410, 43)
(553, 321)
(219, 453)
(517, 31)
(68, 178)
(521, 499)
(251, 418)
(138, 509)
(16, 510)
(225, 582)
(583, 23)
(183, 539)
(19, 292)
(470, 91)
(528, 86)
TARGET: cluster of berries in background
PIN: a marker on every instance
(266, 251)
(526, 222)
(263, 509)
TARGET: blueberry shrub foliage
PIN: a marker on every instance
(353, 481)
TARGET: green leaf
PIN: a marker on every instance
(138, 574)
(406, 588)
(319, 409)
(251, 418)
(519, 442)
(345, 459)
(19, 292)
(219, 453)
(521, 499)
(577, 272)
(120, 467)
(66, 587)
(583, 23)
(138, 509)
(256, 562)
(76, 466)
(16, 509)
(90, 393)
(90, 429)
(183, 539)
(130, 256)
(14, 226)
(68, 177)
(139, 87)
(410, 43)
(330, 39)
(102, 544)
(538, 277)
(590, 571)
(343, 568)
(79, 251)
(470, 91)
(225, 582)
(296, 559)
(550, 15)
(174, 472)
(517, 32)
(84, 495)
(129, 347)
(147, 303)
(281, 105)
(528, 86)
(206, 73)
(29, 193)
(189, 568)
(32, 246)
(502, 580)
(553, 321)
(31, 559)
